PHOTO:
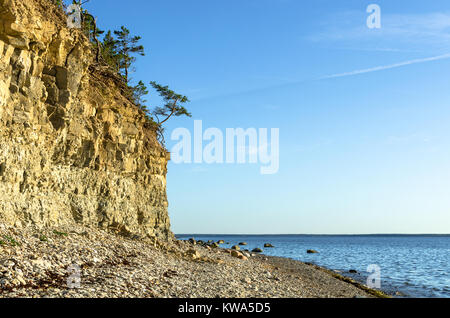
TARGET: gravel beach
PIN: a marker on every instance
(80, 262)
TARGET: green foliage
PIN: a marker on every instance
(110, 52)
(89, 27)
(119, 49)
(118, 53)
(60, 233)
(10, 240)
(139, 91)
(173, 104)
(127, 47)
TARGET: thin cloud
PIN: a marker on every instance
(387, 67)
(405, 32)
(356, 72)
(347, 25)
(418, 137)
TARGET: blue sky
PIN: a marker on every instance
(363, 113)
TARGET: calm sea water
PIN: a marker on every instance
(414, 265)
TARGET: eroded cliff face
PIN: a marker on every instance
(72, 147)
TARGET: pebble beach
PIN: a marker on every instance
(81, 262)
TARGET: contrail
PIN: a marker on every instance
(368, 70)
(386, 67)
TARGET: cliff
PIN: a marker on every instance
(73, 148)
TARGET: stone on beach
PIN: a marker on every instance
(139, 268)
(235, 253)
(192, 241)
(193, 254)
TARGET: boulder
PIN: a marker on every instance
(257, 250)
(239, 255)
(312, 252)
(235, 247)
(235, 253)
(193, 254)
(268, 245)
(243, 257)
(192, 241)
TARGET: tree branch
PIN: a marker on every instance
(171, 114)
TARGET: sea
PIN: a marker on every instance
(412, 266)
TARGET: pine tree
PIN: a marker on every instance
(173, 104)
(127, 46)
(109, 51)
(172, 107)
(139, 91)
(90, 27)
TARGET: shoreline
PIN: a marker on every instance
(343, 278)
(37, 263)
(284, 261)
(380, 293)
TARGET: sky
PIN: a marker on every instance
(363, 114)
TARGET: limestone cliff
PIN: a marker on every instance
(73, 148)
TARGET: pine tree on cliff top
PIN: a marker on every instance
(139, 91)
(127, 47)
(110, 52)
(119, 52)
